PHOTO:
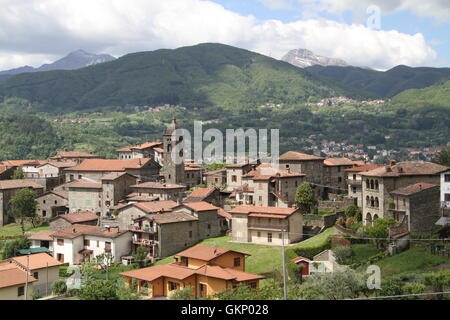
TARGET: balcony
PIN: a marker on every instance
(145, 242)
(146, 229)
(356, 183)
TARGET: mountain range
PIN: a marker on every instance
(74, 60)
(204, 75)
(303, 58)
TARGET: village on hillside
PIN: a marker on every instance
(161, 229)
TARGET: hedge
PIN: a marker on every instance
(310, 252)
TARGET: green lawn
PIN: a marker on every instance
(262, 259)
(12, 230)
(361, 252)
(415, 260)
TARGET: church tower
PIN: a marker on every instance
(173, 173)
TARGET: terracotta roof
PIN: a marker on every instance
(59, 164)
(78, 217)
(157, 185)
(37, 261)
(413, 189)
(299, 259)
(84, 184)
(205, 253)
(224, 214)
(169, 217)
(114, 175)
(267, 172)
(200, 206)
(73, 154)
(141, 198)
(189, 168)
(245, 209)
(200, 194)
(18, 163)
(266, 215)
(155, 272)
(43, 235)
(18, 184)
(363, 168)
(140, 147)
(77, 230)
(336, 162)
(12, 275)
(156, 206)
(297, 156)
(110, 165)
(160, 150)
(60, 193)
(413, 168)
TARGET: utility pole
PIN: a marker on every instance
(26, 276)
(46, 285)
(284, 266)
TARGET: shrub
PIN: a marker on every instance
(352, 223)
(59, 287)
(341, 221)
(187, 293)
(353, 211)
(343, 254)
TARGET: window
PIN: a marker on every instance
(71, 177)
(354, 177)
(234, 178)
(280, 235)
(60, 257)
(36, 275)
(259, 234)
(190, 234)
(253, 285)
(339, 179)
(447, 177)
(98, 244)
(209, 226)
(173, 286)
(87, 243)
(269, 237)
(107, 246)
(44, 201)
(44, 213)
(237, 262)
(60, 242)
(80, 176)
(20, 291)
(447, 197)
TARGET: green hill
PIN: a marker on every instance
(383, 84)
(202, 75)
(436, 95)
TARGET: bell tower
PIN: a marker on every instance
(173, 173)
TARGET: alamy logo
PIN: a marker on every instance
(231, 147)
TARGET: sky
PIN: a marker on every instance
(379, 34)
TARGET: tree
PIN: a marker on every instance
(380, 231)
(353, 211)
(438, 281)
(104, 261)
(443, 158)
(11, 248)
(339, 285)
(18, 174)
(187, 293)
(140, 256)
(99, 290)
(305, 197)
(343, 254)
(24, 207)
(59, 287)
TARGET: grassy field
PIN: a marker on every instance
(262, 259)
(415, 260)
(12, 230)
(361, 252)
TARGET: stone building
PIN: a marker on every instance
(216, 178)
(173, 170)
(215, 196)
(8, 189)
(354, 181)
(445, 191)
(311, 166)
(271, 187)
(415, 207)
(335, 176)
(193, 176)
(235, 172)
(145, 150)
(66, 220)
(96, 169)
(265, 225)
(377, 184)
(53, 203)
(160, 191)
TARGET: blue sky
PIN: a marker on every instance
(413, 32)
(437, 33)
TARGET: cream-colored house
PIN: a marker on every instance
(13, 280)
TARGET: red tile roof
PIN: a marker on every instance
(83, 184)
(79, 217)
(37, 261)
(158, 185)
(413, 168)
(12, 275)
(73, 154)
(200, 206)
(266, 172)
(43, 235)
(297, 156)
(77, 230)
(336, 162)
(415, 188)
(245, 209)
(363, 168)
(110, 165)
(156, 206)
(205, 253)
(19, 184)
(200, 194)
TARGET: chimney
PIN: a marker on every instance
(392, 163)
(73, 230)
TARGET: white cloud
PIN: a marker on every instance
(43, 29)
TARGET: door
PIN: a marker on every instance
(202, 290)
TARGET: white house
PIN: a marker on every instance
(78, 243)
(445, 189)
